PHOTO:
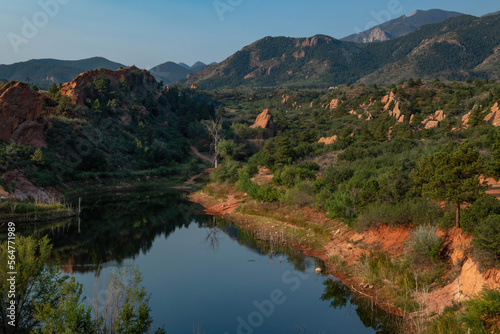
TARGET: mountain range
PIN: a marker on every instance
(455, 49)
(45, 72)
(170, 72)
(400, 26)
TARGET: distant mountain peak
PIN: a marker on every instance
(401, 26)
(170, 72)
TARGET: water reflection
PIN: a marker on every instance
(340, 296)
(117, 227)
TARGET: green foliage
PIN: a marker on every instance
(477, 315)
(487, 238)
(410, 211)
(451, 176)
(301, 194)
(476, 213)
(37, 157)
(131, 301)
(425, 242)
(226, 172)
(290, 175)
(266, 193)
(68, 315)
(480, 312)
(36, 283)
(340, 206)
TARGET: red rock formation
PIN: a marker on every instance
(433, 120)
(328, 140)
(19, 104)
(136, 80)
(333, 104)
(494, 116)
(265, 121)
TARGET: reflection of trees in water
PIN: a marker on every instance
(213, 234)
(370, 315)
(116, 227)
(271, 248)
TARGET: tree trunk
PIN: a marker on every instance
(457, 218)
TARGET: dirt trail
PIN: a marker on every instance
(200, 155)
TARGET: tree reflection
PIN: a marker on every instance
(213, 234)
(370, 315)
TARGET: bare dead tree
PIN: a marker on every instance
(214, 129)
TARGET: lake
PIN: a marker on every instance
(206, 275)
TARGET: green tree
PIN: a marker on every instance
(68, 315)
(451, 176)
(37, 157)
(487, 236)
(127, 310)
(36, 283)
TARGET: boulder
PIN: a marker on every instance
(433, 120)
(18, 104)
(265, 121)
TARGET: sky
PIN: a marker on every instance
(146, 33)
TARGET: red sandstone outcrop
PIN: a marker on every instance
(433, 120)
(328, 140)
(494, 116)
(333, 104)
(139, 82)
(20, 109)
(265, 121)
(388, 99)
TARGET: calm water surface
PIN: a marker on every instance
(206, 275)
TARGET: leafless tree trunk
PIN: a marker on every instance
(214, 129)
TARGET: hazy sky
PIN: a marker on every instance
(149, 32)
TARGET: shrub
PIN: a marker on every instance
(290, 175)
(425, 242)
(473, 215)
(487, 237)
(227, 172)
(411, 211)
(301, 194)
(341, 207)
(482, 311)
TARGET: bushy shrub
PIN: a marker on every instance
(227, 172)
(340, 206)
(301, 194)
(425, 242)
(487, 238)
(412, 211)
(290, 175)
(473, 215)
(482, 311)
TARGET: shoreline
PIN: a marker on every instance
(268, 233)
